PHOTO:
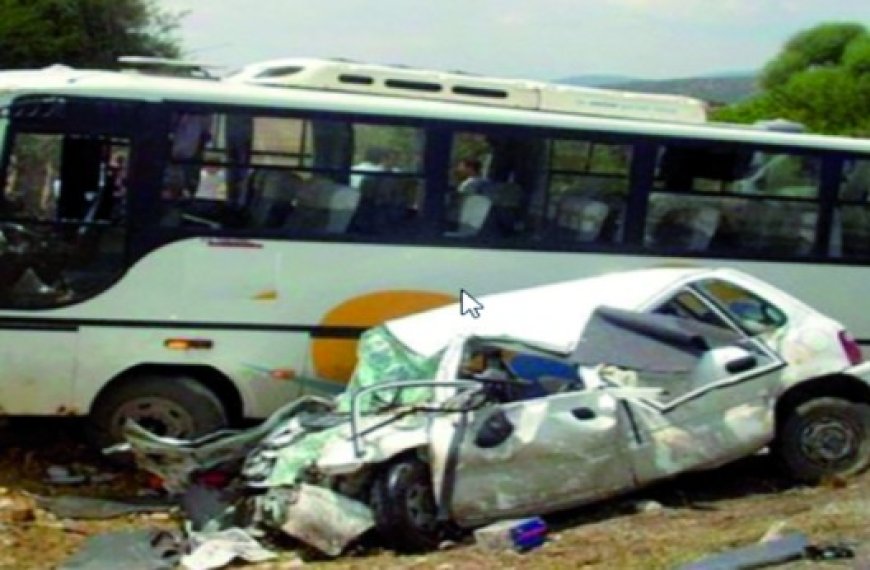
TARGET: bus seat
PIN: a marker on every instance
(273, 193)
(366, 218)
(780, 228)
(835, 246)
(753, 232)
(504, 194)
(506, 205)
(687, 228)
(343, 201)
(703, 224)
(383, 205)
(473, 212)
(856, 186)
(807, 222)
(581, 219)
(323, 206)
(855, 233)
(309, 214)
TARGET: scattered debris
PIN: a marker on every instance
(210, 550)
(648, 507)
(778, 551)
(838, 551)
(139, 550)
(517, 534)
(72, 507)
(208, 509)
(776, 531)
(317, 516)
(77, 475)
(60, 475)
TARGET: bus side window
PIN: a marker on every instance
(587, 191)
(387, 176)
(490, 185)
(720, 198)
(850, 232)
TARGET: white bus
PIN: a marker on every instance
(194, 252)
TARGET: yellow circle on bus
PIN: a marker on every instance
(335, 358)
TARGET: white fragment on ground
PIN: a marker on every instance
(60, 475)
(217, 549)
(648, 507)
(776, 531)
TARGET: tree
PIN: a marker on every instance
(83, 33)
(819, 47)
(821, 78)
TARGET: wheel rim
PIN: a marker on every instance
(829, 442)
(421, 506)
(158, 415)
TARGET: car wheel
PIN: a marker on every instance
(406, 515)
(174, 406)
(825, 437)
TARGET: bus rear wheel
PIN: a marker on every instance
(172, 406)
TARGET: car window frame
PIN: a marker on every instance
(734, 319)
(776, 360)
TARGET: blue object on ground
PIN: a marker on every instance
(529, 533)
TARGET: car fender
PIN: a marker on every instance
(860, 371)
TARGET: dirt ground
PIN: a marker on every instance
(692, 516)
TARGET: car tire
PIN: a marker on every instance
(175, 406)
(825, 437)
(406, 516)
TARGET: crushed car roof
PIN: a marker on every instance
(549, 316)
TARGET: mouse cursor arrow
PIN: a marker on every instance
(468, 305)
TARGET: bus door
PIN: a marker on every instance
(62, 239)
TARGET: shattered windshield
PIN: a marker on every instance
(383, 359)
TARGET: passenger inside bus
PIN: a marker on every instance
(190, 134)
(377, 159)
(469, 177)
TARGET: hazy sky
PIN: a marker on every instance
(542, 39)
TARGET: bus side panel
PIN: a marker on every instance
(261, 365)
(37, 371)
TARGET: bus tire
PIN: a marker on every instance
(174, 406)
(825, 437)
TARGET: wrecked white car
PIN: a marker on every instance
(554, 397)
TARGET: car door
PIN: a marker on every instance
(537, 455)
(720, 409)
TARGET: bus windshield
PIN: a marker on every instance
(61, 214)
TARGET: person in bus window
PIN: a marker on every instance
(375, 160)
(190, 135)
(469, 178)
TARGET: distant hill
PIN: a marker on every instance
(593, 80)
(725, 88)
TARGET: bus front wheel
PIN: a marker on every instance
(172, 406)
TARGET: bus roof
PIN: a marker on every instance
(353, 77)
(62, 80)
